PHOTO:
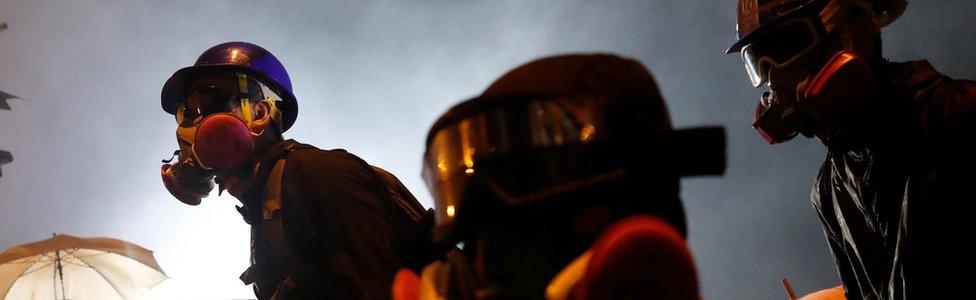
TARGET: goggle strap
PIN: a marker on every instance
(245, 101)
(241, 83)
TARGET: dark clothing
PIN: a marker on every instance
(322, 225)
(896, 193)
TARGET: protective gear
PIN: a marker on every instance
(838, 88)
(238, 57)
(784, 46)
(895, 193)
(531, 172)
(209, 137)
(187, 182)
(223, 142)
(844, 81)
(536, 134)
(787, 37)
(756, 16)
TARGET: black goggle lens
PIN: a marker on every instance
(206, 100)
(779, 46)
(785, 43)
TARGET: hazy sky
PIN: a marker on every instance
(371, 77)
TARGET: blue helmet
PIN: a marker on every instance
(241, 57)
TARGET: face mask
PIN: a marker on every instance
(186, 181)
(222, 142)
(838, 88)
(219, 141)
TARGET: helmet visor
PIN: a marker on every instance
(522, 149)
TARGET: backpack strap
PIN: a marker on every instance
(389, 182)
(383, 186)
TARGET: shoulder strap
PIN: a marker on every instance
(273, 226)
(272, 199)
(389, 182)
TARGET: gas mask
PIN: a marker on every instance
(801, 101)
(212, 136)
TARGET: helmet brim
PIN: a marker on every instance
(750, 36)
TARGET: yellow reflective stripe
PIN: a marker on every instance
(246, 111)
(242, 82)
(245, 101)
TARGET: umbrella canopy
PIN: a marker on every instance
(67, 267)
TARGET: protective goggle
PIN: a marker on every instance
(522, 150)
(209, 99)
(204, 100)
(782, 47)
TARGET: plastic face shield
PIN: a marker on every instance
(782, 46)
(523, 150)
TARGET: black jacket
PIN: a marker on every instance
(322, 225)
(896, 193)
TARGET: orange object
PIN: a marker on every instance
(406, 285)
(639, 257)
(223, 142)
(834, 293)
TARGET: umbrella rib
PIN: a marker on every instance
(29, 270)
(19, 276)
(71, 254)
(114, 288)
(77, 264)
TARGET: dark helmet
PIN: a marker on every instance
(754, 16)
(554, 127)
(242, 57)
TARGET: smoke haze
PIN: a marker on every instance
(371, 77)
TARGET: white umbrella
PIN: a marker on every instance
(67, 267)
